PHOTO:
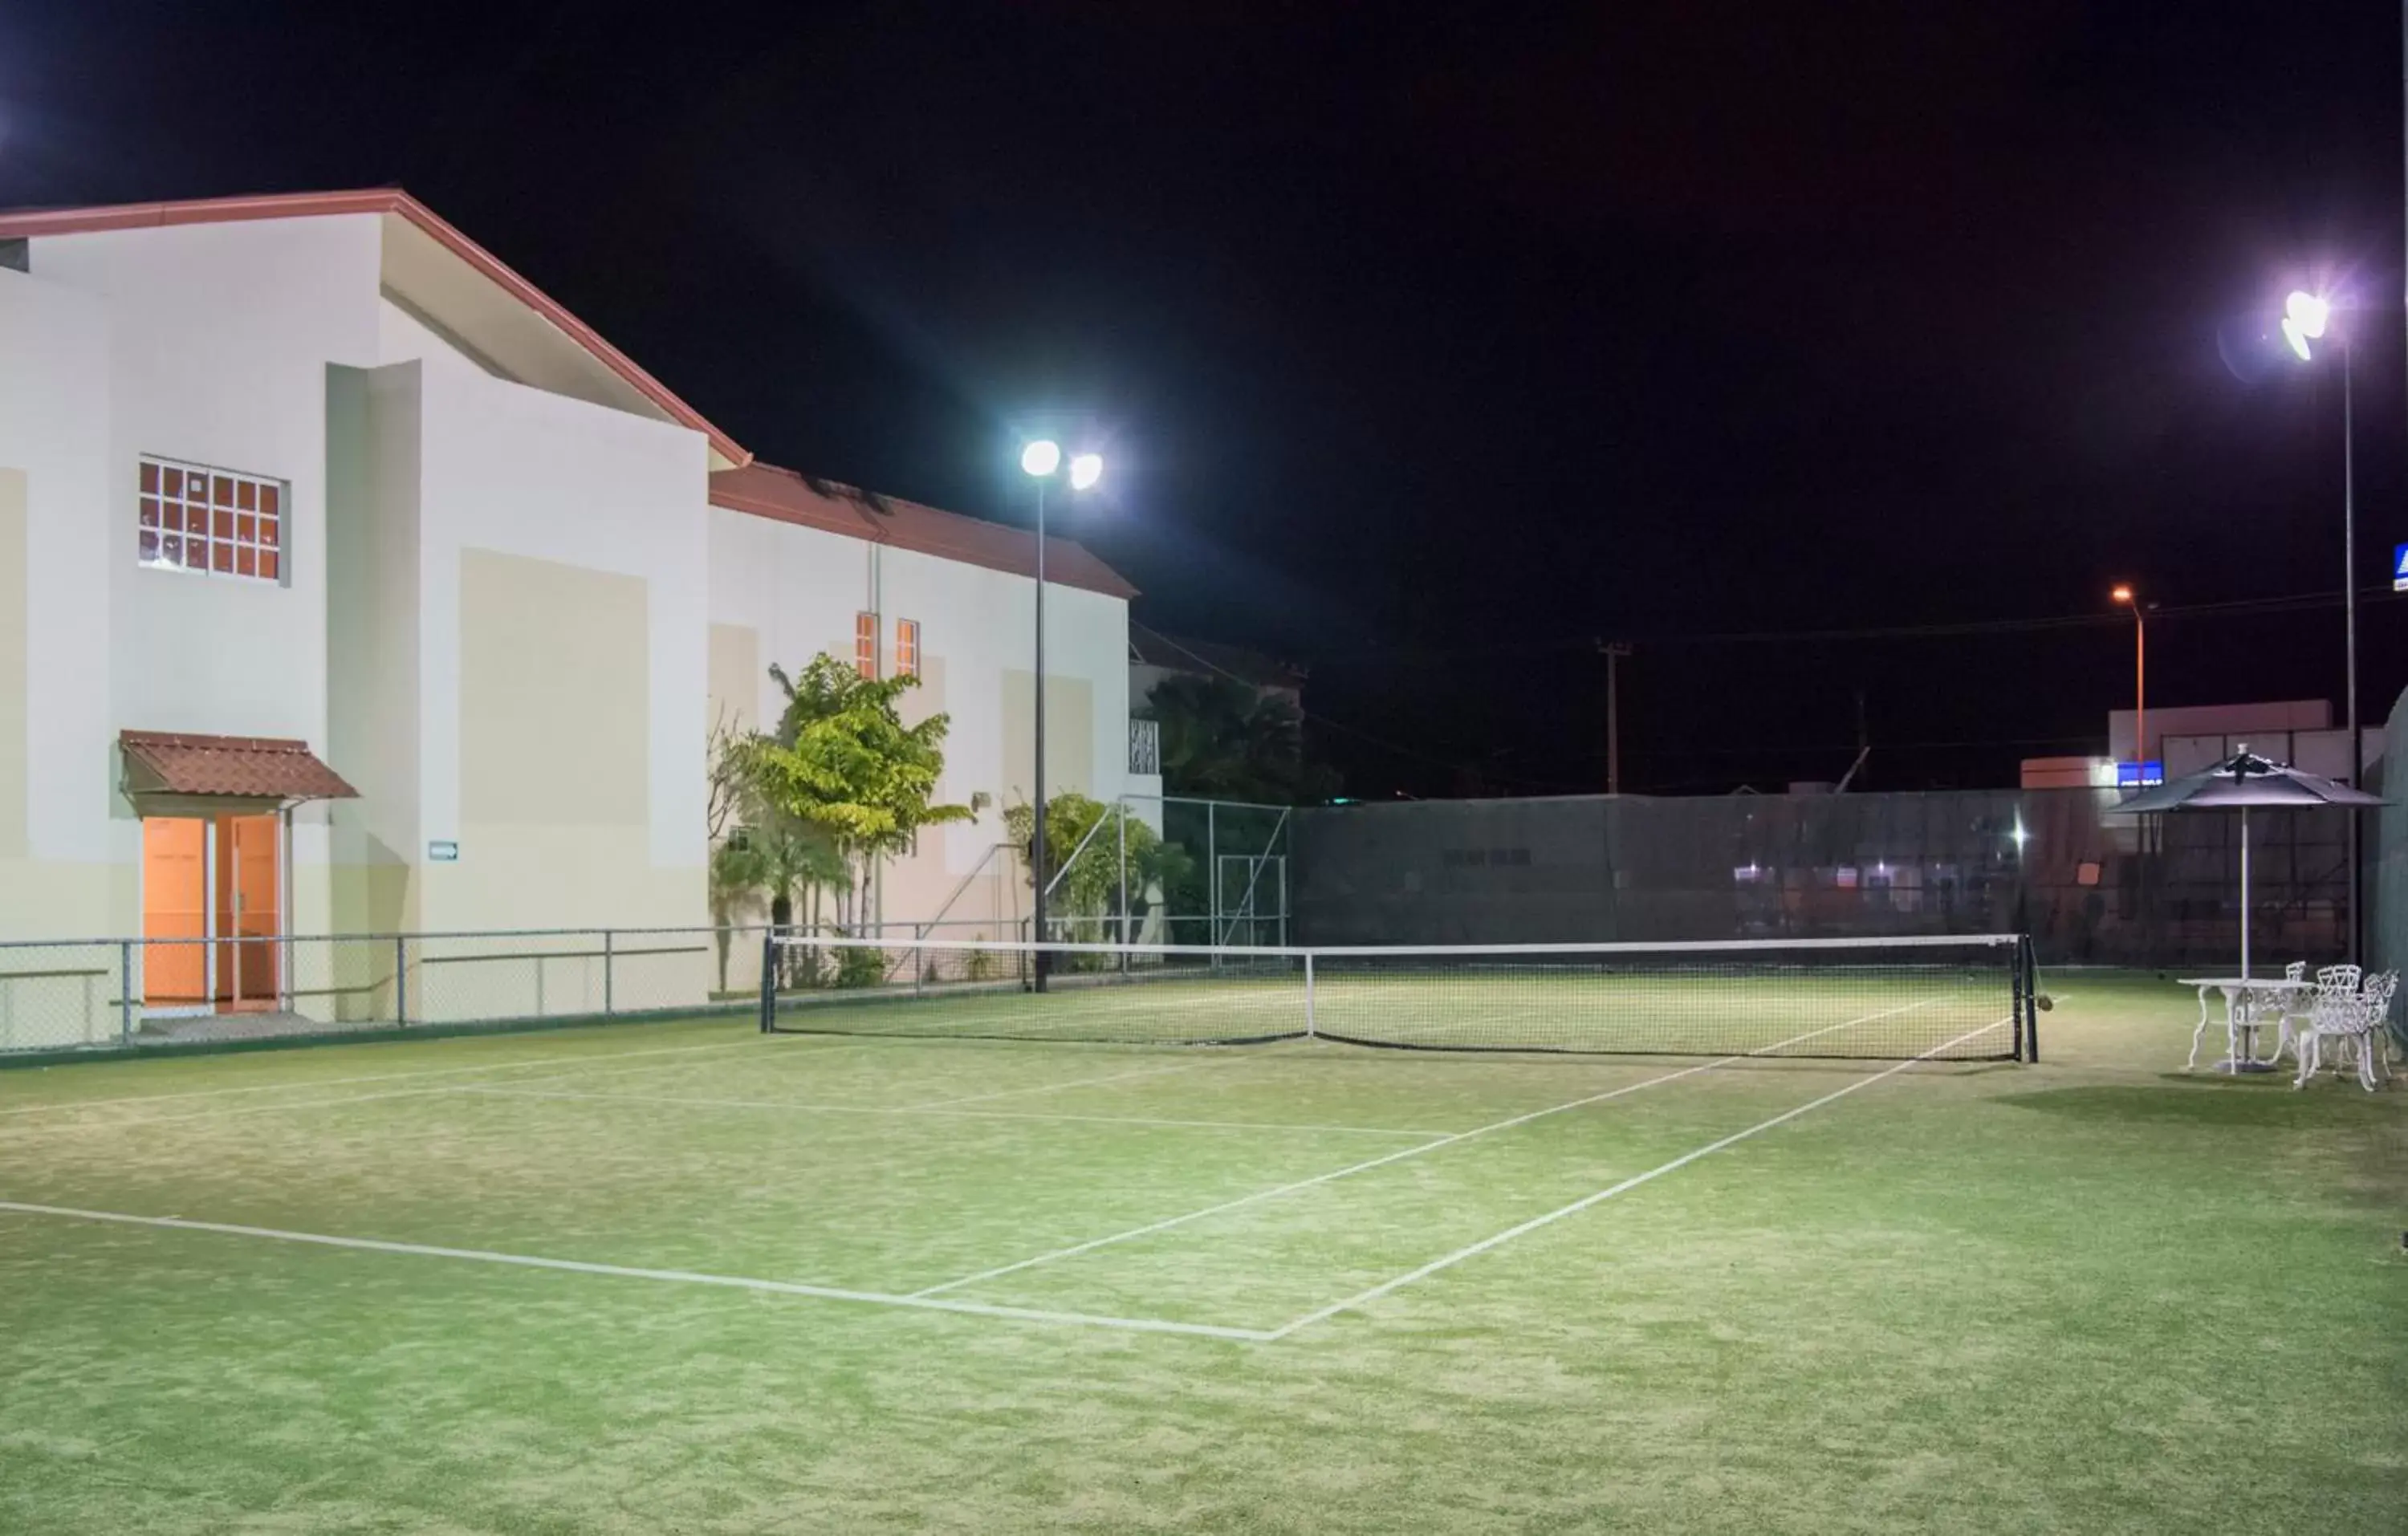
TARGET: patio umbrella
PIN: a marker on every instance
(2241, 783)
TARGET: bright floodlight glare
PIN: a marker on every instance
(2122, 593)
(1041, 457)
(2309, 312)
(1085, 470)
(2297, 337)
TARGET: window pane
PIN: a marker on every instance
(150, 551)
(223, 493)
(222, 558)
(172, 551)
(221, 526)
(171, 515)
(245, 562)
(267, 563)
(175, 483)
(149, 478)
(267, 499)
(150, 513)
(246, 494)
(267, 532)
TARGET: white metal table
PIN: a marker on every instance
(2244, 998)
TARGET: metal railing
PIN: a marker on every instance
(122, 994)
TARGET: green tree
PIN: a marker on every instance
(1091, 869)
(757, 853)
(1224, 740)
(842, 764)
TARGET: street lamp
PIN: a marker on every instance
(2124, 595)
(2306, 317)
(1040, 459)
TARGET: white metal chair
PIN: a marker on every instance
(2350, 1020)
(2292, 1012)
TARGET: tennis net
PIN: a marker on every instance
(1955, 997)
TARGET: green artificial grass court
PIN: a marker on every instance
(2089, 1295)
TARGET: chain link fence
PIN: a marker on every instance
(2089, 887)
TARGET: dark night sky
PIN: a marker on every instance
(1435, 341)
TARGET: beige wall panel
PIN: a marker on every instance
(1069, 737)
(554, 708)
(15, 647)
(737, 675)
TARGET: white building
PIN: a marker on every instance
(303, 493)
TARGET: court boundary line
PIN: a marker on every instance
(621, 1271)
(811, 1108)
(396, 1077)
(1133, 1233)
(1498, 1239)
(560, 1069)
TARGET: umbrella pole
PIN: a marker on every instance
(2245, 892)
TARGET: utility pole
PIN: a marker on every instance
(1613, 650)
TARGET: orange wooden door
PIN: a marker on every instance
(175, 905)
(249, 910)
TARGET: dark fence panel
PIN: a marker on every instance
(2089, 887)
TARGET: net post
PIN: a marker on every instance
(2027, 982)
(610, 993)
(400, 979)
(1309, 1033)
(769, 978)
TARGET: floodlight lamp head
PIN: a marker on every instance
(1040, 458)
(2122, 592)
(1085, 470)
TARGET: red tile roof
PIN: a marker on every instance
(249, 767)
(36, 223)
(764, 489)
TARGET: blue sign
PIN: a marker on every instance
(2134, 775)
(443, 852)
(2399, 568)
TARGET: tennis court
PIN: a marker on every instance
(693, 1275)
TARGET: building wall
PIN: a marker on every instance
(562, 645)
(781, 592)
(57, 872)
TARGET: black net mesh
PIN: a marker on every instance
(1887, 999)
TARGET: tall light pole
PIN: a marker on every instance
(1613, 650)
(2306, 319)
(1041, 461)
(2122, 593)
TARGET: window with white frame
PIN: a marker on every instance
(865, 643)
(218, 522)
(907, 648)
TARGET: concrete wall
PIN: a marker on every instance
(781, 592)
(58, 875)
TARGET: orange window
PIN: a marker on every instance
(907, 648)
(865, 644)
(213, 521)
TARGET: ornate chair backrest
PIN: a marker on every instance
(2336, 1000)
(2374, 1000)
(2296, 971)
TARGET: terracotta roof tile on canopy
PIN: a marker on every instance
(764, 489)
(241, 767)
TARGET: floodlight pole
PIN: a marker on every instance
(2349, 619)
(1615, 650)
(1037, 845)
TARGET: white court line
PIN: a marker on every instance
(688, 1277)
(561, 1067)
(946, 1114)
(756, 1041)
(1055, 1087)
(1577, 1206)
(1164, 1226)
